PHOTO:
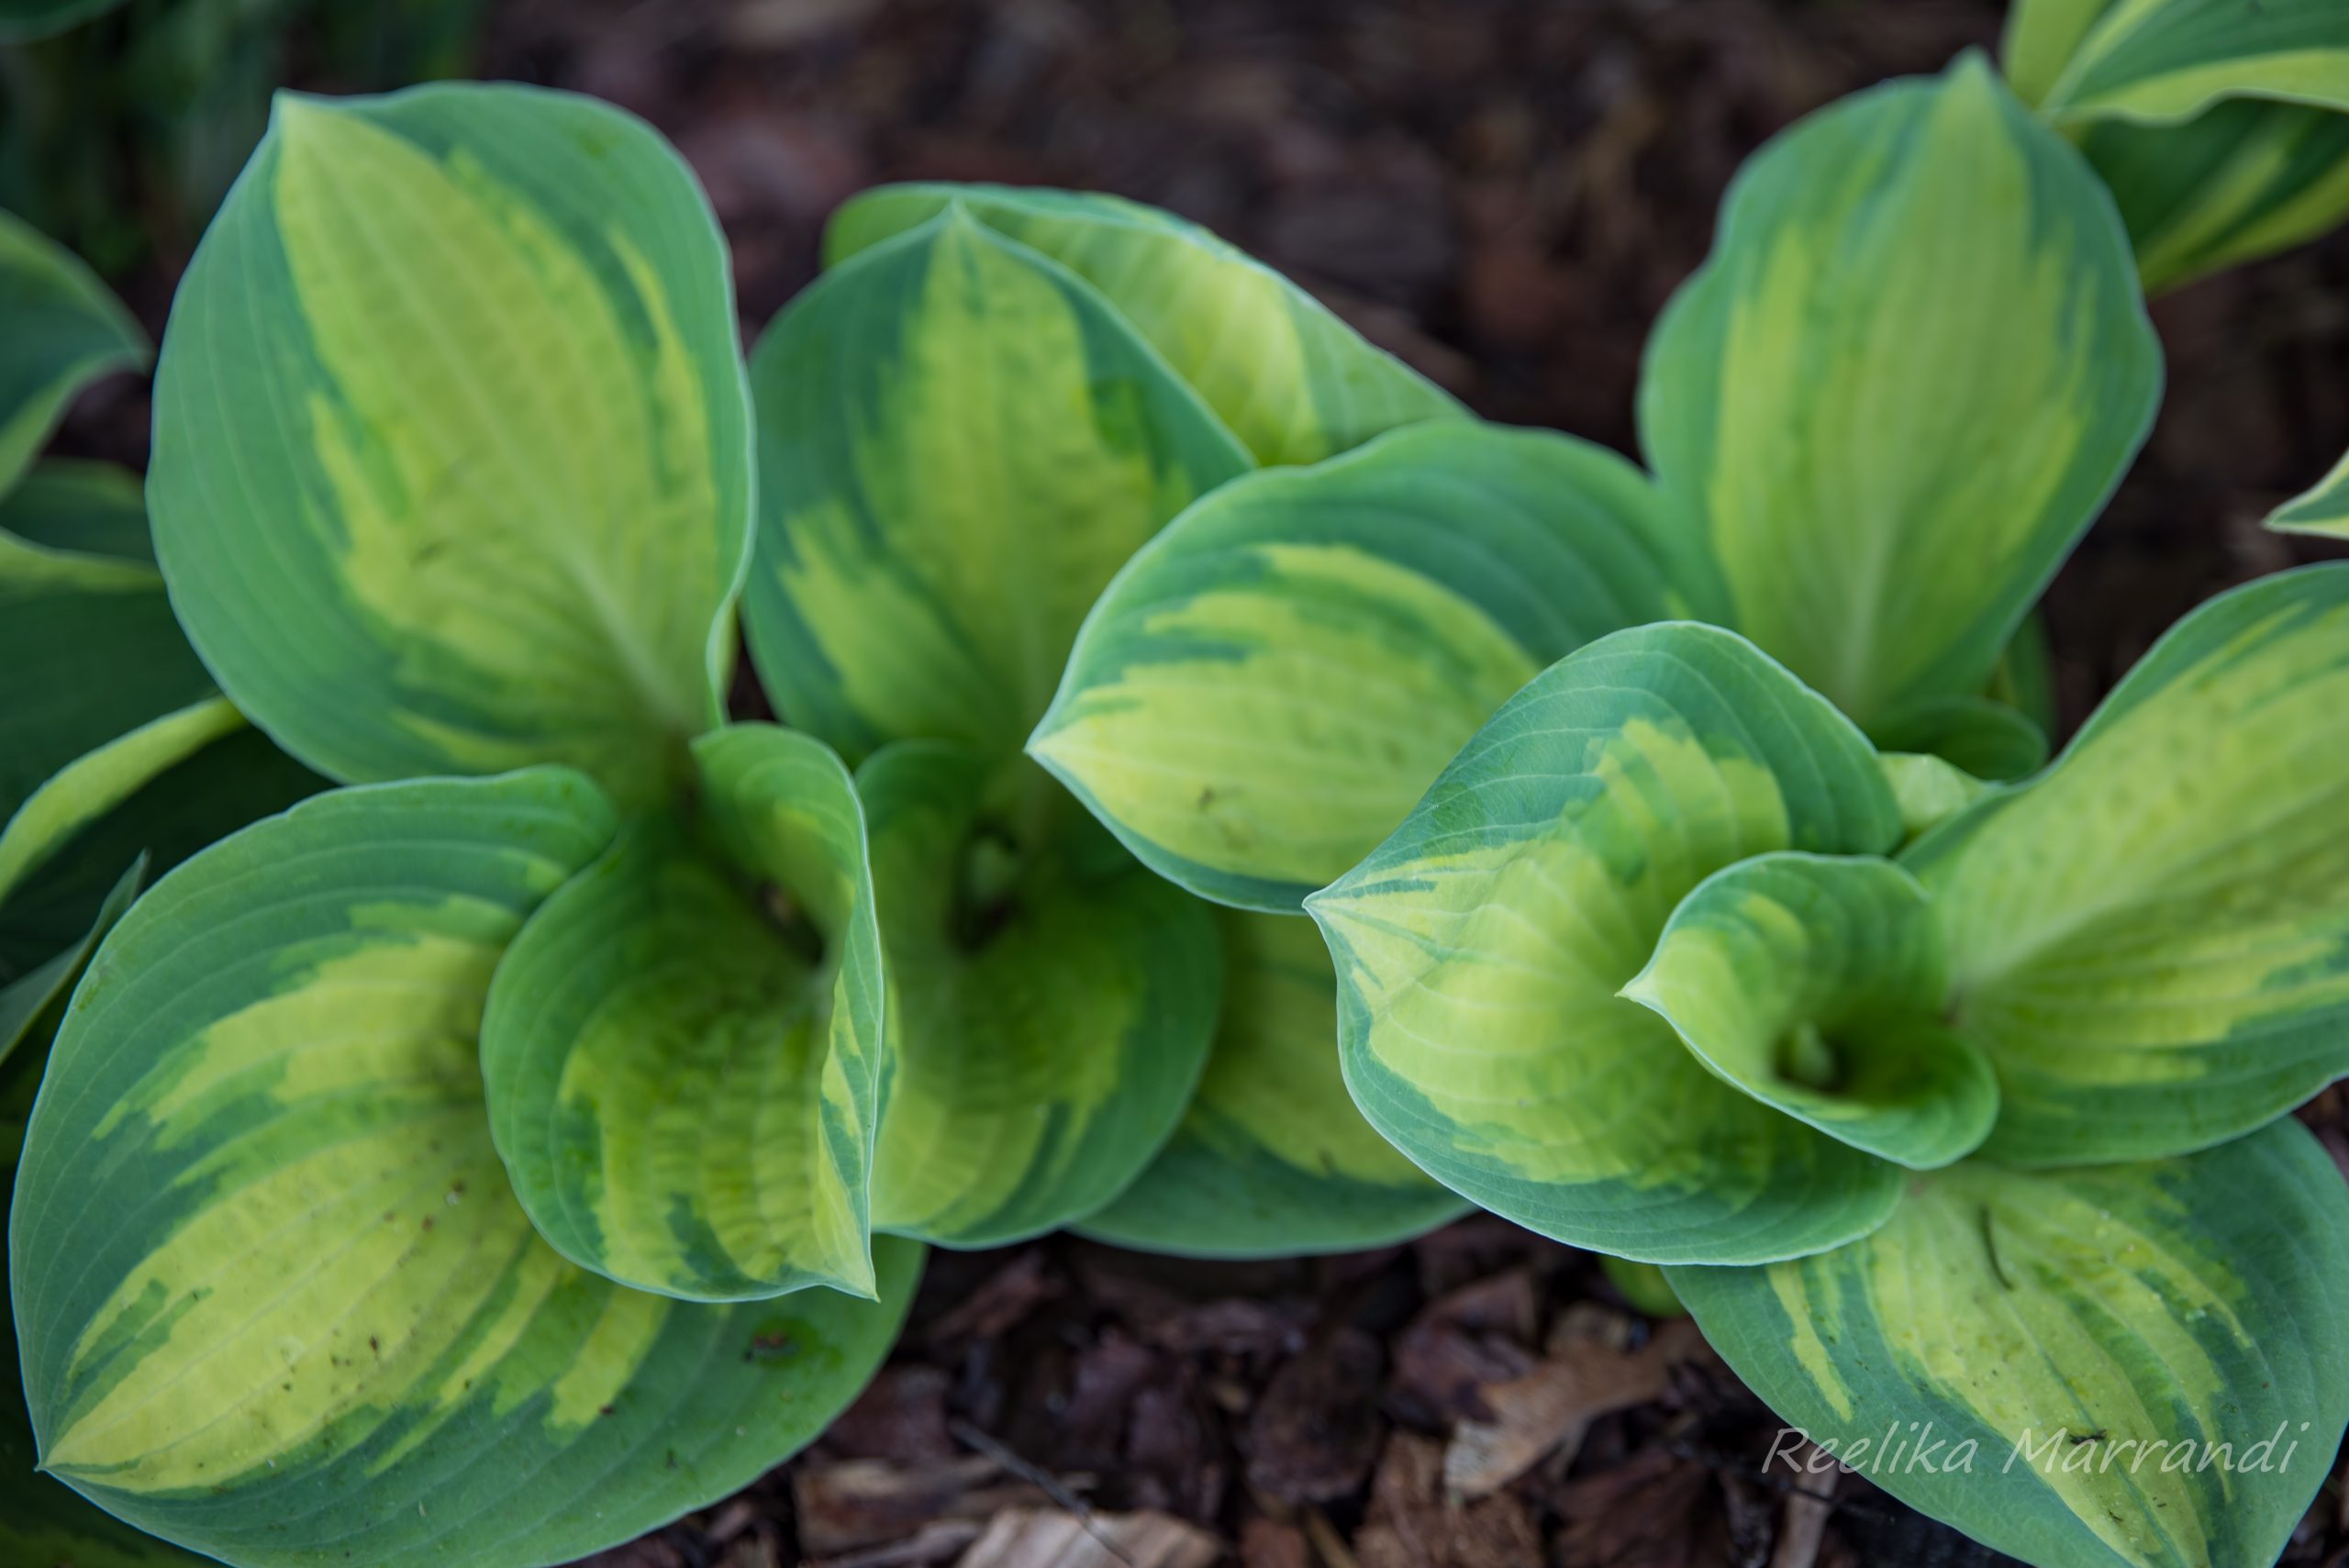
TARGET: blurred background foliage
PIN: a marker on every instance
(122, 125)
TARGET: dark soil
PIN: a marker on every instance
(1504, 191)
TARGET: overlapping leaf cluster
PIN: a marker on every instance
(1946, 1102)
(533, 1138)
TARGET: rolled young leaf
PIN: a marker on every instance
(1051, 1005)
(960, 441)
(2151, 939)
(1271, 1159)
(1291, 381)
(1913, 369)
(1266, 689)
(318, 1329)
(1480, 950)
(452, 465)
(1814, 982)
(2133, 1364)
(62, 331)
(682, 1047)
(2165, 60)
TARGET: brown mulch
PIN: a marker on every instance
(1504, 191)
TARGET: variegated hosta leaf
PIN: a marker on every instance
(62, 330)
(682, 1047)
(1052, 1002)
(221, 787)
(1814, 984)
(2244, 179)
(1985, 737)
(452, 465)
(1929, 789)
(41, 1522)
(88, 652)
(1273, 1159)
(88, 787)
(2151, 939)
(1913, 368)
(2322, 509)
(2041, 38)
(2164, 60)
(2134, 1364)
(32, 1003)
(1481, 947)
(960, 441)
(1270, 685)
(1292, 381)
(68, 504)
(317, 1328)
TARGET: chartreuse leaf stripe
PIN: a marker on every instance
(1273, 1159)
(2163, 61)
(2242, 180)
(88, 787)
(682, 1047)
(2134, 1364)
(960, 443)
(1914, 366)
(1052, 1008)
(317, 1328)
(64, 330)
(1480, 950)
(2151, 939)
(1292, 381)
(1267, 688)
(88, 650)
(452, 467)
(1814, 982)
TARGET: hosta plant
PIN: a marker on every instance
(1948, 1103)
(988, 401)
(2221, 125)
(458, 1136)
(499, 1141)
(1876, 420)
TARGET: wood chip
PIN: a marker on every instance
(1583, 1378)
(1029, 1538)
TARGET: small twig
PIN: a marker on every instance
(1042, 1480)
